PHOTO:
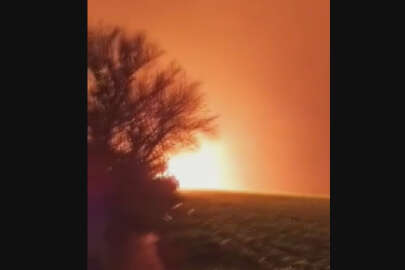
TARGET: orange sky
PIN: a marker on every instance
(264, 66)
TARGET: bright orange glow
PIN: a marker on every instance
(265, 69)
(202, 169)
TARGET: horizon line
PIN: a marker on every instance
(280, 193)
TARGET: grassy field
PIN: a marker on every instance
(218, 230)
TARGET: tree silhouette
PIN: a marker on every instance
(138, 114)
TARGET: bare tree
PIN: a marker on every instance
(137, 111)
(138, 114)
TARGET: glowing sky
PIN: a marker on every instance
(264, 66)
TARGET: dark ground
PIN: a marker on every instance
(218, 230)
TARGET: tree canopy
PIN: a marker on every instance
(138, 111)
